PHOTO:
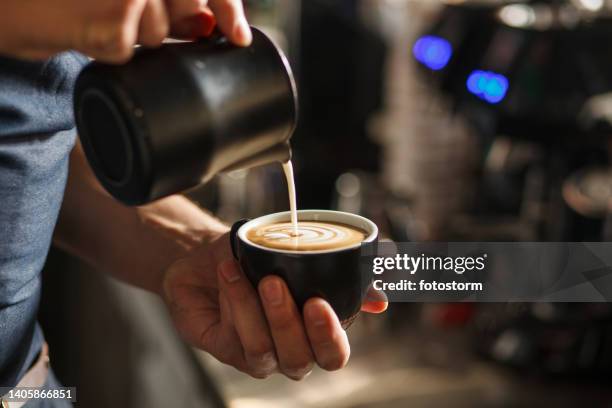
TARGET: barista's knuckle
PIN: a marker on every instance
(156, 36)
(162, 30)
(259, 351)
(240, 292)
(259, 375)
(299, 366)
(111, 41)
(297, 370)
(121, 47)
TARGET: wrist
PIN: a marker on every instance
(180, 228)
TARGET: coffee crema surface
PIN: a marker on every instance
(312, 236)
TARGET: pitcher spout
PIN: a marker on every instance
(280, 153)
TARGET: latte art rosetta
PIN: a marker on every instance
(312, 236)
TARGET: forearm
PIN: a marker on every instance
(134, 244)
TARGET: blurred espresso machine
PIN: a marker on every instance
(533, 81)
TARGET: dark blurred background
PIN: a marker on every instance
(463, 120)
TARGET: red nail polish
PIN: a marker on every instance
(206, 24)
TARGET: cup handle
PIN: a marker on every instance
(234, 236)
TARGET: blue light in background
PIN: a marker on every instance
(433, 52)
(488, 85)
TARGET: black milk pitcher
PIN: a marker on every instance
(173, 117)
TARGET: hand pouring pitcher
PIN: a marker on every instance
(173, 117)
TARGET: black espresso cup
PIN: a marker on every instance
(332, 274)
